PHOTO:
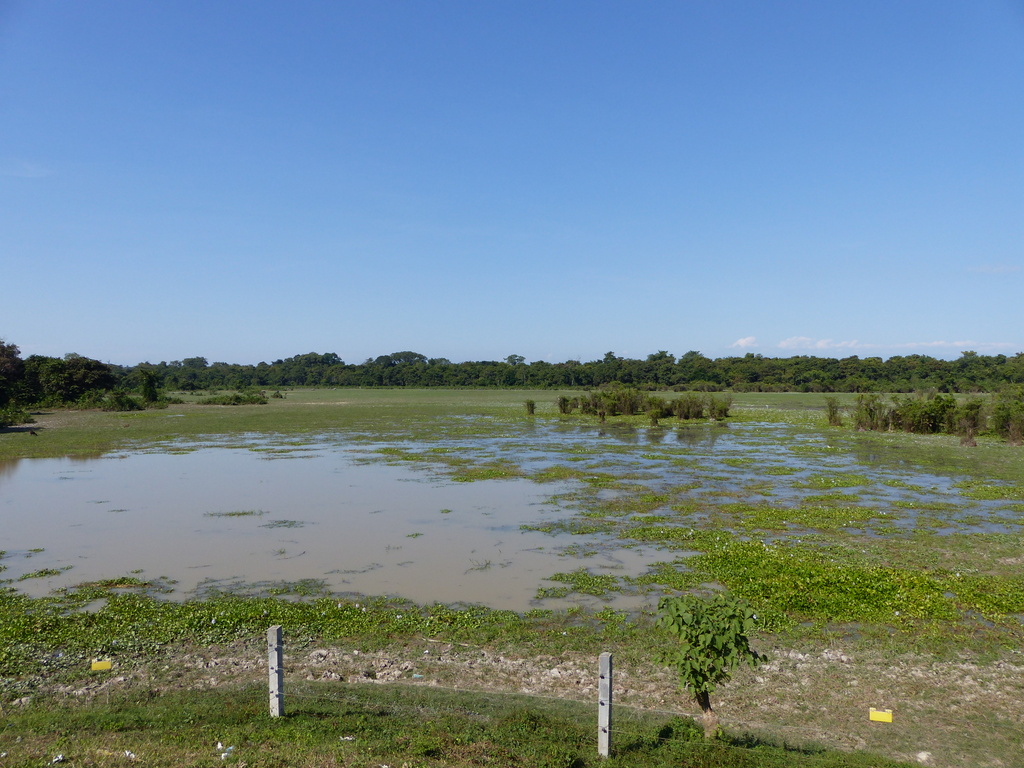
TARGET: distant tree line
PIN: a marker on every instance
(691, 372)
(77, 380)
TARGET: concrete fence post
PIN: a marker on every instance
(275, 667)
(604, 705)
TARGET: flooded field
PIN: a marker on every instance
(479, 512)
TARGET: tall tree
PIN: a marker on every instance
(11, 371)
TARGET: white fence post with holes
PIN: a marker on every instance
(275, 667)
(604, 705)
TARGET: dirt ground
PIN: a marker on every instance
(945, 713)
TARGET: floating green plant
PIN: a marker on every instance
(843, 480)
(44, 573)
(976, 489)
(239, 513)
(584, 582)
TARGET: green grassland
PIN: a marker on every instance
(360, 725)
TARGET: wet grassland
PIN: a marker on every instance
(883, 567)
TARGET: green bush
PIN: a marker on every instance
(120, 401)
(242, 397)
(13, 415)
(1008, 415)
(832, 412)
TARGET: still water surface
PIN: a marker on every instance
(362, 527)
(329, 507)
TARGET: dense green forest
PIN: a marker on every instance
(75, 380)
(51, 380)
(691, 372)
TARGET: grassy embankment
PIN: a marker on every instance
(377, 726)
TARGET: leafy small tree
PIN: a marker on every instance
(713, 641)
(835, 417)
(148, 385)
(11, 371)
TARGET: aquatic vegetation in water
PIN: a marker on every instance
(582, 581)
(820, 516)
(976, 489)
(238, 513)
(839, 480)
(789, 582)
(44, 573)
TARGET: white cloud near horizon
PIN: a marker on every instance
(745, 343)
(808, 343)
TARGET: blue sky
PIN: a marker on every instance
(246, 181)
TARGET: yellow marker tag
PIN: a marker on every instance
(98, 664)
(880, 715)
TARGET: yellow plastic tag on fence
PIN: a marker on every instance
(98, 664)
(880, 715)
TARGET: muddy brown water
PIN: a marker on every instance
(329, 508)
(365, 528)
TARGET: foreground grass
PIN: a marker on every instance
(373, 725)
(173, 692)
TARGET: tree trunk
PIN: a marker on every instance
(710, 716)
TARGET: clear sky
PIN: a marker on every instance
(250, 180)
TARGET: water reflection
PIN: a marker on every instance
(8, 468)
